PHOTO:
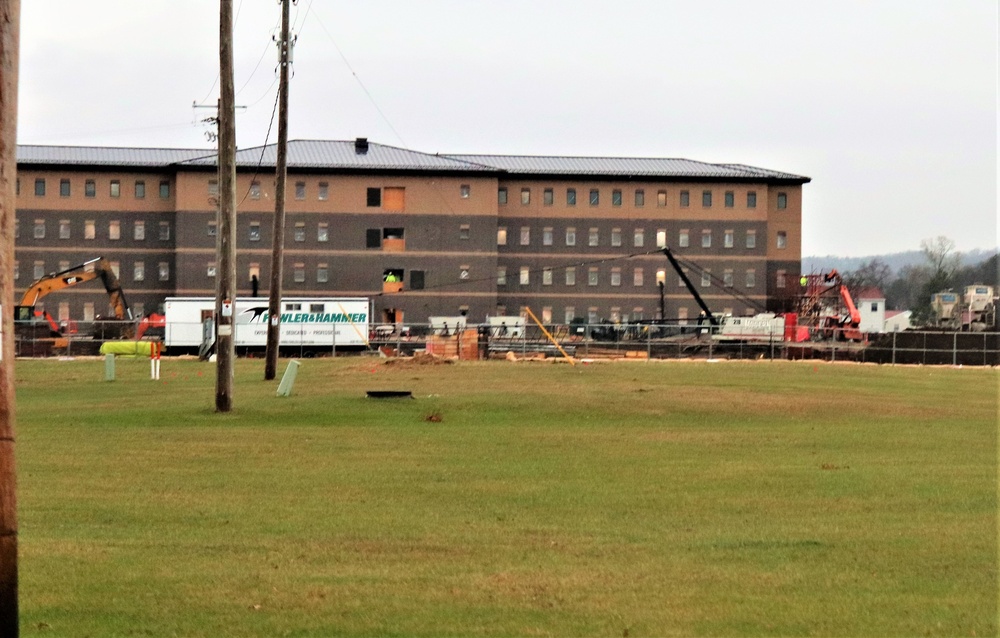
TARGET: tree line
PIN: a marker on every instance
(911, 287)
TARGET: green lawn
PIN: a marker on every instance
(626, 499)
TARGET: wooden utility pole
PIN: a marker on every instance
(281, 170)
(225, 297)
(10, 21)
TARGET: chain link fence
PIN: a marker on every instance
(644, 340)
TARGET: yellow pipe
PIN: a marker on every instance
(551, 338)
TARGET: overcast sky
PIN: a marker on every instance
(890, 106)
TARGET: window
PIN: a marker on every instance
(255, 190)
(300, 190)
(164, 269)
(751, 199)
(593, 237)
(525, 235)
(525, 278)
(874, 306)
(727, 278)
(373, 238)
(661, 198)
(89, 229)
(616, 276)
(571, 236)
(323, 274)
(782, 240)
(64, 266)
(64, 188)
(255, 231)
(525, 196)
(210, 270)
(661, 238)
(300, 231)
(782, 200)
(88, 311)
(299, 272)
(637, 277)
(502, 196)
(547, 197)
(464, 231)
(39, 270)
(416, 280)
(253, 271)
(64, 229)
(90, 188)
(640, 198)
(592, 316)
(138, 271)
(751, 278)
(546, 314)
(616, 236)
(502, 236)
(116, 188)
(706, 279)
(571, 276)
(706, 239)
(501, 275)
(685, 199)
(706, 199)
(213, 188)
(324, 191)
(164, 231)
(616, 197)
(595, 197)
(730, 199)
(140, 189)
(547, 234)
(39, 187)
(728, 239)
(464, 191)
(546, 276)
(373, 197)
(164, 189)
(780, 279)
(323, 232)
(570, 314)
(114, 230)
(213, 228)
(637, 238)
(592, 276)
(139, 231)
(684, 238)
(751, 239)
(571, 197)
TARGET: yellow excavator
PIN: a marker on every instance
(27, 320)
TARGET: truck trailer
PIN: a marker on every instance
(308, 325)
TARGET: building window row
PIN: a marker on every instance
(639, 197)
(90, 230)
(90, 188)
(638, 237)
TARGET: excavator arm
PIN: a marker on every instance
(99, 268)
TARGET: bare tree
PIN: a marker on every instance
(942, 258)
(871, 274)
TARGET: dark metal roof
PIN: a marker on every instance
(624, 167)
(346, 155)
(328, 154)
(106, 155)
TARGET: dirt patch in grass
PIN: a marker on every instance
(422, 359)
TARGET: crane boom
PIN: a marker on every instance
(687, 282)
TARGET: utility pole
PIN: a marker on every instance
(225, 298)
(281, 169)
(10, 22)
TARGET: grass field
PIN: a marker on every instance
(626, 499)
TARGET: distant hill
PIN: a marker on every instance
(896, 261)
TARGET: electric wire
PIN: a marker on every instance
(263, 149)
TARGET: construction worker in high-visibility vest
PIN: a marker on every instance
(803, 281)
(391, 278)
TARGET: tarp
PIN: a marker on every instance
(127, 348)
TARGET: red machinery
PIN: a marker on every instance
(828, 309)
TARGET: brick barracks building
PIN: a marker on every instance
(569, 237)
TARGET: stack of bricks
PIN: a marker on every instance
(463, 346)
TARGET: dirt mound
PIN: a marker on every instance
(420, 359)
